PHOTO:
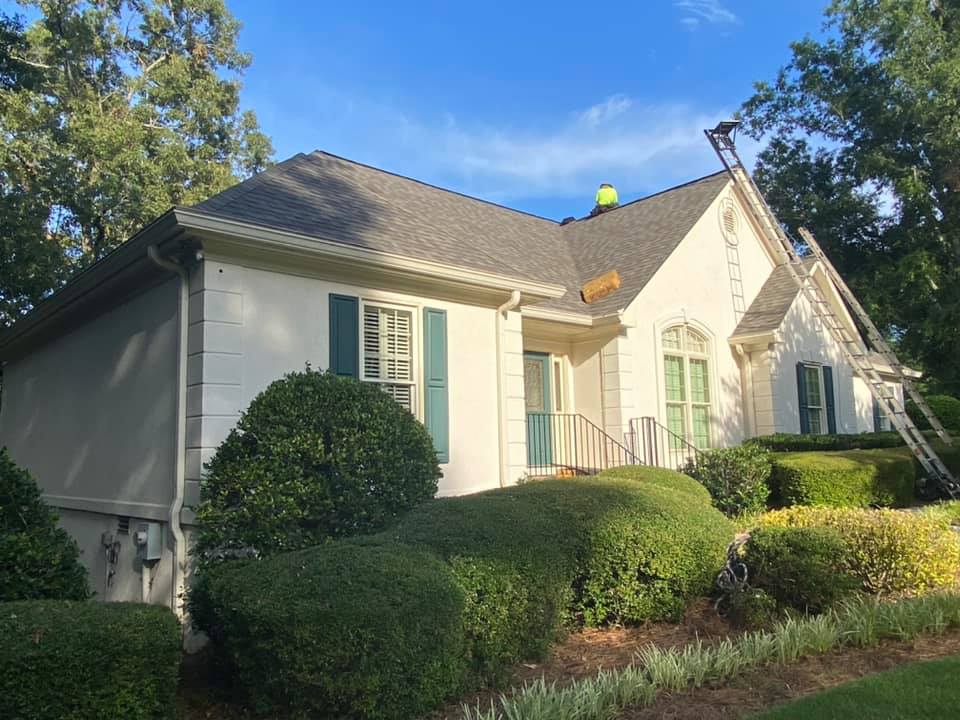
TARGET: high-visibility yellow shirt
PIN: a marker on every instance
(607, 196)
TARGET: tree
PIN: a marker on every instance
(864, 149)
(110, 113)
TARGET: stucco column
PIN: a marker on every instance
(617, 386)
(214, 367)
(515, 409)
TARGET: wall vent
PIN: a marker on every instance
(123, 526)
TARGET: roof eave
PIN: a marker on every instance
(239, 239)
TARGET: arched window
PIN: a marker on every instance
(686, 369)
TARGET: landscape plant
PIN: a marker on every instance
(38, 559)
(313, 458)
(736, 478)
(860, 622)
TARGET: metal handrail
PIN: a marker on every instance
(568, 444)
(657, 445)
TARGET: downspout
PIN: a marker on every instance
(501, 385)
(746, 384)
(176, 530)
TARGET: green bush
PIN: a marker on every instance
(736, 477)
(800, 567)
(790, 442)
(857, 478)
(314, 457)
(608, 549)
(668, 479)
(62, 660)
(888, 551)
(945, 407)
(457, 591)
(341, 630)
(38, 560)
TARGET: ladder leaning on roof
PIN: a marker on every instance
(850, 342)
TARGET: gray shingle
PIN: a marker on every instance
(769, 308)
(328, 197)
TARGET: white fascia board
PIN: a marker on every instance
(573, 318)
(238, 233)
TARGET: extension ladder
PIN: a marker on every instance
(850, 342)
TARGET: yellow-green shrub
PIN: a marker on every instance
(889, 551)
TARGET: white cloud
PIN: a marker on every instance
(638, 146)
(711, 12)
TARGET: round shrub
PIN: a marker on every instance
(37, 559)
(945, 407)
(888, 551)
(857, 478)
(314, 457)
(344, 630)
(800, 567)
(736, 477)
(63, 660)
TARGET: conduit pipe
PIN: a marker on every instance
(176, 530)
(502, 386)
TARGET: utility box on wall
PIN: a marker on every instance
(150, 540)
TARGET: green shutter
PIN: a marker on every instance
(831, 404)
(436, 413)
(345, 335)
(802, 397)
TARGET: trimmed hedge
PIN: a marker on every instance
(800, 567)
(314, 457)
(790, 442)
(38, 560)
(62, 660)
(857, 478)
(461, 588)
(661, 477)
(340, 630)
(888, 551)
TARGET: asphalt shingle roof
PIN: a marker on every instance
(770, 307)
(328, 197)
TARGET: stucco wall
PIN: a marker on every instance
(93, 414)
(693, 286)
(279, 322)
(802, 338)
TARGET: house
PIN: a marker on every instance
(119, 388)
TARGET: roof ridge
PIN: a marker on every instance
(435, 187)
(681, 186)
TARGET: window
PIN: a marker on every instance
(814, 399)
(388, 351)
(686, 369)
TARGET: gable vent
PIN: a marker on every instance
(729, 221)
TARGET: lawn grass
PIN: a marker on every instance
(921, 690)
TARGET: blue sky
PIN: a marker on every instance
(531, 104)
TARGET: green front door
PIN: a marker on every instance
(536, 386)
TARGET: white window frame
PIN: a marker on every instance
(685, 356)
(824, 428)
(416, 386)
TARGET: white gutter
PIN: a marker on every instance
(502, 386)
(176, 531)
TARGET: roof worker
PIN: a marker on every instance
(606, 199)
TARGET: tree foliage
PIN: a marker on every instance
(864, 149)
(110, 113)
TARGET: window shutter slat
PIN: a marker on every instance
(436, 391)
(802, 398)
(831, 405)
(344, 335)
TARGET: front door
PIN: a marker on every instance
(536, 387)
